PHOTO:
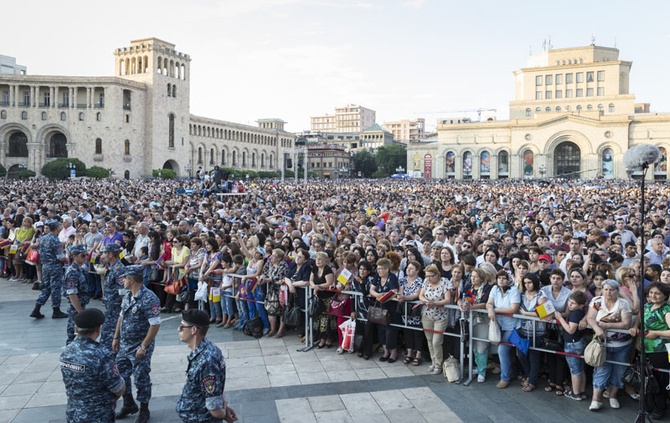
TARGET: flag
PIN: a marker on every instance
(344, 276)
(470, 297)
(25, 248)
(544, 310)
(387, 297)
(158, 262)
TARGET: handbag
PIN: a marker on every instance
(594, 353)
(451, 369)
(633, 377)
(337, 307)
(522, 344)
(553, 339)
(175, 286)
(379, 315)
(495, 336)
(315, 308)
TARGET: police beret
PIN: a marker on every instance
(90, 318)
(196, 317)
(111, 248)
(78, 249)
(133, 270)
(52, 224)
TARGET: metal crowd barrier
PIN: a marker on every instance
(465, 348)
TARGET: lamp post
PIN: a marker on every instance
(188, 169)
(542, 170)
(400, 169)
(73, 169)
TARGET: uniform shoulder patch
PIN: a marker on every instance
(209, 383)
(156, 309)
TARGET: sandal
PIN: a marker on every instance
(550, 387)
(528, 387)
(407, 360)
(417, 361)
(559, 391)
(573, 396)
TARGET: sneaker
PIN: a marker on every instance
(614, 403)
(481, 379)
(436, 371)
(573, 396)
(606, 394)
(595, 405)
(431, 368)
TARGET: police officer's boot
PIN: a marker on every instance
(57, 314)
(129, 407)
(144, 415)
(36, 313)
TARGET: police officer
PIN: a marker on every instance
(202, 398)
(92, 380)
(76, 287)
(113, 291)
(136, 328)
(52, 256)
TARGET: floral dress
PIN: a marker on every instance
(276, 273)
(435, 293)
(407, 291)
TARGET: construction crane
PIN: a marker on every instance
(478, 111)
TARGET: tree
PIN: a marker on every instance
(58, 169)
(164, 173)
(97, 172)
(390, 157)
(364, 162)
(3, 171)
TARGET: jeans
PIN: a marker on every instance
(434, 330)
(506, 356)
(256, 307)
(576, 364)
(215, 309)
(610, 374)
(227, 302)
(531, 363)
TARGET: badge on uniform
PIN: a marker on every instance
(134, 309)
(210, 384)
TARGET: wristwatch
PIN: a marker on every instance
(143, 347)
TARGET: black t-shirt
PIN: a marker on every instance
(575, 316)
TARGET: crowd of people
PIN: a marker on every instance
(501, 247)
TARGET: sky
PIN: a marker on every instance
(292, 59)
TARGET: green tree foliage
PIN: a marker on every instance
(58, 169)
(164, 173)
(97, 172)
(390, 157)
(365, 163)
(3, 171)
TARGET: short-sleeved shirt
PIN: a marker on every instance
(138, 313)
(575, 316)
(561, 301)
(435, 293)
(205, 382)
(529, 304)
(655, 320)
(621, 307)
(505, 300)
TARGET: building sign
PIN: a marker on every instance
(427, 166)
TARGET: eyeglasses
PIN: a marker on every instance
(182, 327)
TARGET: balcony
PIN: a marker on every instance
(101, 105)
(127, 158)
(126, 107)
(63, 105)
(81, 105)
(98, 157)
(44, 105)
(24, 104)
(4, 103)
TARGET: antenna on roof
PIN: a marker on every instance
(614, 42)
(593, 39)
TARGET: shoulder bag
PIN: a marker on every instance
(379, 315)
(594, 353)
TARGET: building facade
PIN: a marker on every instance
(351, 118)
(131, 123)
(572, 116)
(407, 131)
(8, 66)
(329, 161)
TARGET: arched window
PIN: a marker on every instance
(174, 90)
(223, 157)
(126, 174)
(467, 165)
(589, 107)
(568, 108)
(169, 90)
(211, 156)
(529, 113)
(558, 108)
(234, 158)
(126, 147)
(171, 131)
(538, 110)
(262, 160)
(18, 145)
(3, 114)
(485, 163)
(244, 159)
(98, 146)
(63, 116)
(58, 145)
(98, 116)
(547, 109)
(579, 108)
(44, 116)
(271, 161)
(199, 155)
(81, 115)
(528, 163)
(503, 164)
(611, 108)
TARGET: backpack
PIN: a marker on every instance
(254, 327)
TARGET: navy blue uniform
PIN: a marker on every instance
(75, 283)
(113, 292)
(52, 255)
(91, 381)
(205, 382)
(137, 315)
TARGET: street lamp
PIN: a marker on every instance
(399, 169)
(188, 168)
(72, 168)
(542, 170)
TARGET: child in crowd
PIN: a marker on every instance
(575, 344)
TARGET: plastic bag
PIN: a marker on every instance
(494, 332)
(451, 369)
(201, 293)
(348, 329)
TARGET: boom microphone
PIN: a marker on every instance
(642, 155)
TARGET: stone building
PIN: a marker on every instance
(572, 116)
(132, 122)
(350, 118)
